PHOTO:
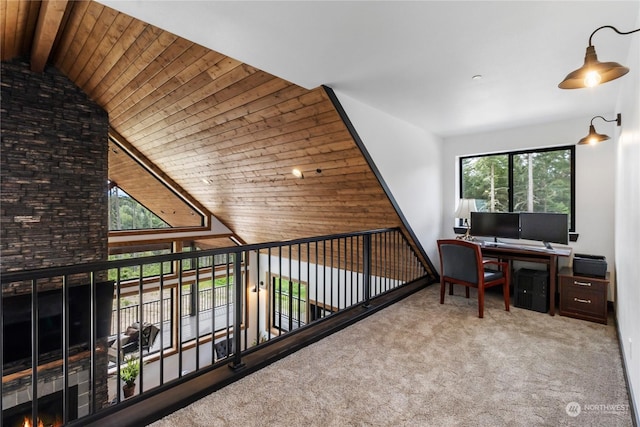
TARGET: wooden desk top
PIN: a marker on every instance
(518, 247)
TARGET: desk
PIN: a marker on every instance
(539, 254)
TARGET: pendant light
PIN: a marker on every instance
(594, 72)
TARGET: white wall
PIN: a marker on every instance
(595, 175)
(408, 159)
(627, 216)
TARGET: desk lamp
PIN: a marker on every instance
(465, 207)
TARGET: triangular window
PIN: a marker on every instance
(126, 213)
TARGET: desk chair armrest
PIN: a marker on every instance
(503, 265)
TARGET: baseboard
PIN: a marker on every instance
(635, 415)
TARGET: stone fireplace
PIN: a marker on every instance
(17, 406)
(54, 212)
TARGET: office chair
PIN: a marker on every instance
(222, 348)
(461, 263)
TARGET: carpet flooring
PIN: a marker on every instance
(420, 363)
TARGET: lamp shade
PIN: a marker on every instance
(593, 137)
(593, 72)
(465, 207)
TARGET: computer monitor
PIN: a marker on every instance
(495, 224)
(545, 227)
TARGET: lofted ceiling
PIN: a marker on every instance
(415, 59)
(224, 132)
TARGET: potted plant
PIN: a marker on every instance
(128, 373)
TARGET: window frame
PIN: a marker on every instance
(294, 316)
(510, 184)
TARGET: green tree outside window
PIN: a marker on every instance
(524, 181)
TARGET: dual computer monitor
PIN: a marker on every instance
(543, 227)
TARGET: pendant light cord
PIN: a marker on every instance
(614, 29)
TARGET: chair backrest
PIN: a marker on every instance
(222, 348)
(149, 334)
(460, 260)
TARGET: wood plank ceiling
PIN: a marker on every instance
(227, 133)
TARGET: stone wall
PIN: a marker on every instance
(53, 172)
(53, 181)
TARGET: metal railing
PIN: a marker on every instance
(338, 272)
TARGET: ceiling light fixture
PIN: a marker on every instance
(594, 72)
(595, 137)
(300, 174)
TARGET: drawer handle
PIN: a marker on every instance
(575, 282)
(584, 301)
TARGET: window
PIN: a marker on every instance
(133, 272)
(289, 302)
(522, 181)
(125, 213)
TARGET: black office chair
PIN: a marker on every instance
(222, 348)
(461, 263)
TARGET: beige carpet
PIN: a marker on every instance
(419, 363)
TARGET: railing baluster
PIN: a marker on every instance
(279, 292)
(339, 290)
(65, 350)
(140, 329)
(331, 272)
(317, 299)
(214, 294)
(258, 290)
(290, 290)
(118, 340)
(358, 264)
(270, 293)
(309, 317)
(300, 320)
(344, 286)
(324, 276)
(93, 341)
(35, 339)
(161, 326)
(179, 320)
(385, 263)
(366, 265)
(237, 278)
(396, 246)
(195, 305)
(244, 286)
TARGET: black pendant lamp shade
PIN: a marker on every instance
(594, 72)
(595, 137)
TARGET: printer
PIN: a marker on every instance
(589, 265)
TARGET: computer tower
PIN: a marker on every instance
(531, 290)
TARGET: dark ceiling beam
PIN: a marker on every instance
(49, 21)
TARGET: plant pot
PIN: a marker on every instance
(128, 389)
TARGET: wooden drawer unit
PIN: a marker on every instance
(583, 297)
